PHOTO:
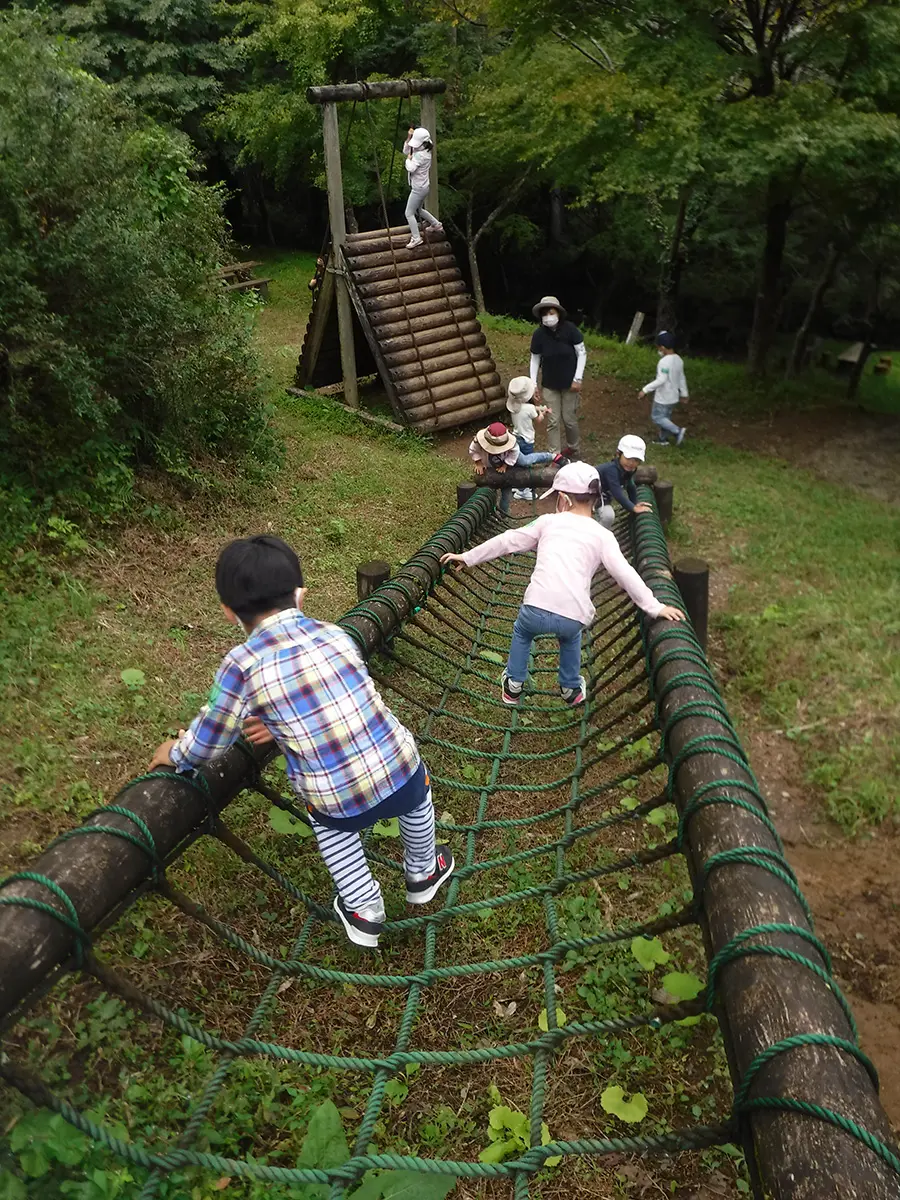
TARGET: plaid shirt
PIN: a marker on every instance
(344, 748)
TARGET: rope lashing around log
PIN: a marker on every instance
(437, 633)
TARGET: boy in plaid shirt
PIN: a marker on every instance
(303, 684)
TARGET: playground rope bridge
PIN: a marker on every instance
(545, 806)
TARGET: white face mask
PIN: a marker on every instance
(551, 320)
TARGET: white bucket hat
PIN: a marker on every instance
(419, 136)
(577, 478)
(632, 446)
(548, 302)
(519, 391)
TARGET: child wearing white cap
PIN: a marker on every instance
(417, 148)
(519, 394)
(617, 480)
(571, 547)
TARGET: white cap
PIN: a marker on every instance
(519, 391)
(577, 478)
(419, 136)
(632, 446)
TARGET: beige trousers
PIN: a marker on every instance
(563, 408)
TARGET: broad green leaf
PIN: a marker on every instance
(325, 1144)
(497, 1151)
(545, 1140)
(492, 656)
(649, 952)
(133, 678)
(681, 985)
(65, 1143)
(404, 1185)
(631, 1108)
(544, 1023)
(387, 829)
(11, 1187)
(283, 822)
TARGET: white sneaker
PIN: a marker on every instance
(681, 434)
(437, 228)
(518, 494)
(413, 242)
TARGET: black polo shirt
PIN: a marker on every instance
(557, 350)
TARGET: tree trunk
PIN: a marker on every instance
(768, 297)
(858, 368)
(472, 247)
(801, 341)
(670, 271)
(557, 217)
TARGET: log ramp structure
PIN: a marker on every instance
(406, 310)
(416, 326)
(805, 1106)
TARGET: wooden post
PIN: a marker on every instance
(663, 492)
(428, 117)
(371, 575)
(465, 492)
(635, 331)
(646, 473)
(692, 577)
(338, 237)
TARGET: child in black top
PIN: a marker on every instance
(617, 480)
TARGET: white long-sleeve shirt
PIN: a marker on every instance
(670, 384)
(570, 551)
(418, 166)
(580, 363)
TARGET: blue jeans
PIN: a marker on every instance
(524, 460)
(524, 447)
(532, 621)
(659, 415)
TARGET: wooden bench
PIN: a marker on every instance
(261, 285)
(237, 270)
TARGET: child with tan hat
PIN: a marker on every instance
(571, 547)
(497, 448)
(519, 394)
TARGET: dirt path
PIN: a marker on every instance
(853, 887)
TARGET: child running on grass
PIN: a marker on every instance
(668, 388)
(497, 448)
(519, 394)
(303, 684)
(617, 480)
(571, 547)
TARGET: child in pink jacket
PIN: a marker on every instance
(571, 547)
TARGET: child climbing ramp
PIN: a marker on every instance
(303, 684)
(571, 547)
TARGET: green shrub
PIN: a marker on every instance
(117, 344)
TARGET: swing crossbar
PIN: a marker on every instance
(382, 89)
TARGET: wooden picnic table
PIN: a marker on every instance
(239, 277)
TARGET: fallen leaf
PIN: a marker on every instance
(221, 1184)
(286, 983)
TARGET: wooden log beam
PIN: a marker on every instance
(408, 285)
(99, 871)
(388, 312)
(487, 398)
(439, 341)
(431, 288)
(380, 89)
(415, 266)
(539, 478)
(459, 321)
(455, 420)
(412, 367)
(421, 388)
(387, 254)
(764, 999)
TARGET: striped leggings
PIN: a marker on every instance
(346, 860)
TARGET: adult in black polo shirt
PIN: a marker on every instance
(557, 351)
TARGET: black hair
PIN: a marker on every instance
(428, 144)
(258, 575)
(581, 497)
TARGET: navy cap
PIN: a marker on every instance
(666, 339)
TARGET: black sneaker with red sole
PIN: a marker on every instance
(423, 890)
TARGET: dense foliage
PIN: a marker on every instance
(117, 344)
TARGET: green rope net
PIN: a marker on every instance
(502, 1036)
